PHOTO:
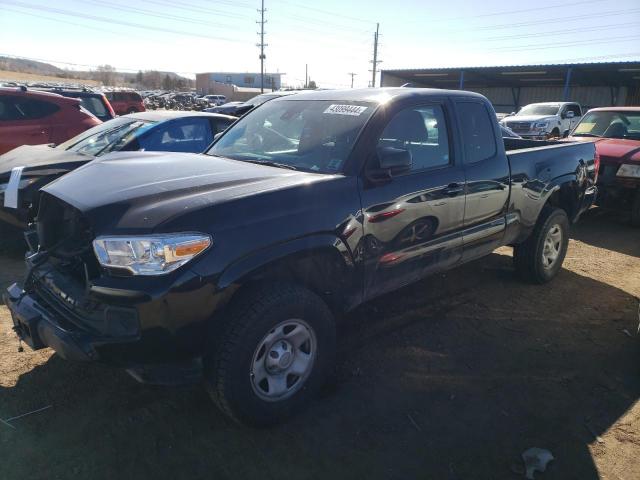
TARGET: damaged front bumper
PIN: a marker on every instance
(38, 327)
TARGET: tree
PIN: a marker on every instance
(106, 74)
(167, 83)
(312, 84)
(139, 77)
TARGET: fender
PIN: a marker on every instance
(298, 247)
(571, 188)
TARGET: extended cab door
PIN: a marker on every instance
(488, 177)
(412, 221)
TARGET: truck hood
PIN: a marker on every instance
(615, 150)
(530, 118)
(40, 159)
(138, 191)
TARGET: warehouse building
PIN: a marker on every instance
(206, 82)
(511, 87)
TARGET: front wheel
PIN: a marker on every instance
(540, 257)
(276, 351)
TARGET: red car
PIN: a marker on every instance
(29, 117)
(125, 102)
(616, 133)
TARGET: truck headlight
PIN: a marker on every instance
(149, 255)
(540, 125)
(628, 170)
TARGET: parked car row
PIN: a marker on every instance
(233, 265)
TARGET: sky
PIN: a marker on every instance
(333, 37)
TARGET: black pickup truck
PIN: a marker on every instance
(233, 266)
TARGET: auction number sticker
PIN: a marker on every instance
(353, 110)
(11, 193)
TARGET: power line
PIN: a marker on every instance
(558, 19)
(97, 18)
(509, 12)
(521, 48)
(327, 12)
(556, 32)
(150, 13)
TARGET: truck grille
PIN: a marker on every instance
(66, 235)
(519, 126)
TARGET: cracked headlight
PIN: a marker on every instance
(149, 255)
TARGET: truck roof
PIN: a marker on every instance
(379, 95)
(551, 103)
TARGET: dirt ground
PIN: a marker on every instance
(452, 378)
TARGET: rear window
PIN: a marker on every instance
(18, 108)
(477, 131)
(95, 106)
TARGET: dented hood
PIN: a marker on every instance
(140, 190)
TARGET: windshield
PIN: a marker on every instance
(539, 110)
(609, 124)
(311, 135)
(110, 136)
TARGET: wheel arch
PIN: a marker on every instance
(321, 263)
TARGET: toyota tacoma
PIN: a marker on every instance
(233, 266)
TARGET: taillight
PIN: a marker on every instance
(106, 102)
(596, 166)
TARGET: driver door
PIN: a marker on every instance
(413, 221)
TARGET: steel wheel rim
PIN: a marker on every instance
(283, 360)
(552, 246)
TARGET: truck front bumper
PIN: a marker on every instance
(39, 328)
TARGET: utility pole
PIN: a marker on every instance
(352, 75)
(306, 75)
(375, 60)
(262, 45)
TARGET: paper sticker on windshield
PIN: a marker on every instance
(584, 127)
(354, 110)
(11, 193)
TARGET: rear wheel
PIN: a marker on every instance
(275, 353)
(540, 257)
(132, 110)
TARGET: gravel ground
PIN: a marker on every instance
(451, 378)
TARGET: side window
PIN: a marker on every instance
(8, 110)
(423, 132)
(477, 131)
(575, 109)
(34, 109)
(192, 135)
(218, 126)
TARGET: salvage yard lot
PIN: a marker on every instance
(451, 378)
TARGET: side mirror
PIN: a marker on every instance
(391, 162)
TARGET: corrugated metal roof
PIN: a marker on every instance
(528, 65)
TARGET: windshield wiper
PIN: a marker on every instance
(271, 164)
(586, 135)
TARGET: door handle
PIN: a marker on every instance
(453, 189)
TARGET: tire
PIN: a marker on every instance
(247, 370)
(539, 258)
(132, 110)
(635, 210)
(555, 133)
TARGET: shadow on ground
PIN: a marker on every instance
(452, 378)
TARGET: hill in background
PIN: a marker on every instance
(11, 68)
